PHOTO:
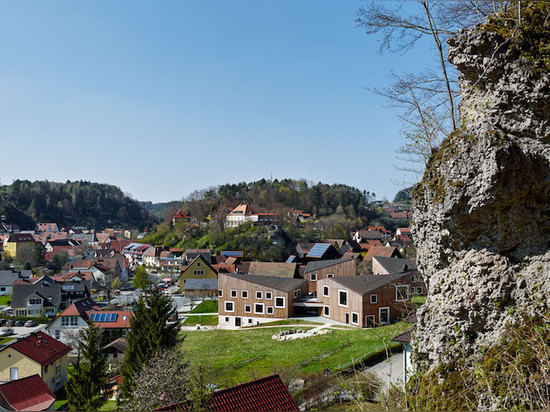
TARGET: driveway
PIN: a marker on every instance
(389, 371)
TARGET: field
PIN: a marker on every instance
(237, 356)
(201, 320)
(206, 306)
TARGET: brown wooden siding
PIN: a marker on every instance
(227, 283)
(340, 269)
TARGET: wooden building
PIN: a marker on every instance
(249, 300)
(365, 301)
(323, 269)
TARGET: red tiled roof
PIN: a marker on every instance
(404, 337)
(27, 394)
(380, 251)
(40, 347)
(122, 320)
(180, 215)
(264, 394)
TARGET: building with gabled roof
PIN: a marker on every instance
(262, 395)
(26, 394)
(198, 268)
(37, 353)
(275, 269)
(367, 300)
(323, 269)
(18, 243)
(180, 216)
(245, 300)
(384, 251)
(384, 265)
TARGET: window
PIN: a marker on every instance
(417, 290)
(229, 307)
(384, 315)
(14, 374)
(313, 277)
(233, 293)
(325, 291)
(69, 321)
(227, 318)
(220, 293)
(35, 301)
(247, 308)
(249, 321)
(270, 310)
(198, 272)
(342, 298)
(57, 334)
(198, 264)
(280, 302)
(401, 293)
(259, 294)
(373, 298)
(268, 295)
(244, 294)
(259, 308)
(413, 278)
(2, 289)
(326, 311)
(355, 318)
(330, 275)
(297, 293)
(369, 321)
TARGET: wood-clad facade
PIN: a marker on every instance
(364, 301)
(245, 300)
(316, 271)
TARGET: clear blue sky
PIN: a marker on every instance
(164, 97)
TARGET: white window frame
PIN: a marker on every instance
(268, 308)
(284, 302)
(397, 287)
(326, 311)
(325, 287)
(357, 316)
(268, 295)
(220, 293)
(259, 294)
(313, 277)
(347, 298)
(249, 309)
(375, 298)
(243, 293)
(232, 306)
(233, 293)
(296, 293)
(263, 308)
(380, 317)
(330, 275)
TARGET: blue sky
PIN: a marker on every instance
(165, 97)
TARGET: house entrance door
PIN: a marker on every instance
(384, 315)
(347, 317)
(237, 321)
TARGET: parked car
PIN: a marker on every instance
(18, 323)
(9, 322)
(6, 331)
(31, 323)
(2, 321)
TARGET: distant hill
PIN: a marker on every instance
(93, 205)
(159, 210)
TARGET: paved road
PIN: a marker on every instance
(390, 371)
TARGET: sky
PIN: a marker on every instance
(165, 97)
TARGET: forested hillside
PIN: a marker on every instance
(93, 205)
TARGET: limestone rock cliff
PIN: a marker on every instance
(481, 217)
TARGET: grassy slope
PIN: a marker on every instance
(237, 356)
(207, 306)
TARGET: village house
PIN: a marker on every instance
(36, 354)
(7, 277)
(244, 214)
(385, 251)
(276, 269)
(261, 395)
(42, 298)
(323, 269)
(19, 243)
(365, 301)
(134, 253)
(180, 216)
(47, 227)
(26, 394)
(151, 257)
(198, 268)
(56, 246)
(384, 265)
(249, 300)
(67, 326)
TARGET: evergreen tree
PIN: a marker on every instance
(90, 371)
(149, 332)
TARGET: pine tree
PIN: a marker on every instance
(149, 332)
(90, 371)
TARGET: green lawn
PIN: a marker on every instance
(285, 322)
(206, 306)
(201, 320)
(238, 356)
(108, 406)
(5, 300)
(418, 300)
(5, 339)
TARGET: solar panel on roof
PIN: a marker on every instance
(318, 250)
(101, 317)
(114, 317)
(290, 259)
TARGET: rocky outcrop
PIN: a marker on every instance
(481, 217)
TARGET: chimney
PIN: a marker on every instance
(38, 341)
